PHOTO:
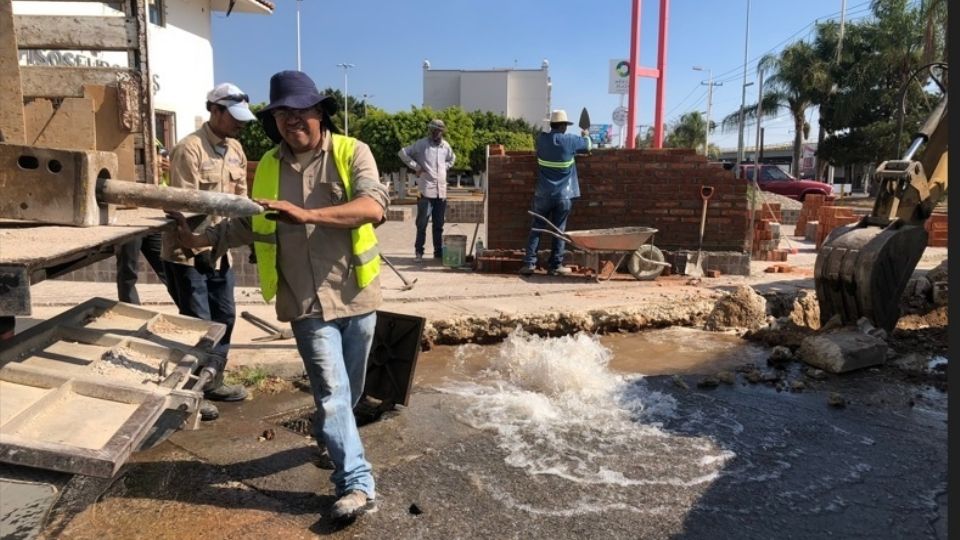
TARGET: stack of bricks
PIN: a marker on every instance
(769, 211)
(809, 212)
(936, 226)
(831, 217)
(766, 241)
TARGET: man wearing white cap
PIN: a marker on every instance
(557, 186)
(210, 159)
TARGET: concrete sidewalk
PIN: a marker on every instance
(449, 297)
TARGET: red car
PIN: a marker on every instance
(775, 180)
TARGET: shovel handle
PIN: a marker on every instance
(706, 192)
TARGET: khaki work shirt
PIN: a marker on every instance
(314, 263)
(205, 162)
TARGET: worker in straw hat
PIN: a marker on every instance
(557, 186)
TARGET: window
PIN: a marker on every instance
(166, 129)
(774, 174)
(156, 12)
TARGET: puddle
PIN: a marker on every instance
(23, 506)
(561, 413)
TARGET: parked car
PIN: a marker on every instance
(776, 180)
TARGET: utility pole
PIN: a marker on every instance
(843, 16)
(756, 150)
(743, 95)
(710, 84)
(346, 98)
(298, 35)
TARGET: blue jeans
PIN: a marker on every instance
(335, 355)
(557, 211)
(436, 210)
(205, 296)
(128, 258)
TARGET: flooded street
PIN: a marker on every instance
(572, 437)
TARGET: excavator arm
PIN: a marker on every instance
(862, 269)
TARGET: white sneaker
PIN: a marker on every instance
(527, 270)
(561, 271)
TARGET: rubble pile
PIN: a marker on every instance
(743, 308)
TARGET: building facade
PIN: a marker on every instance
(179, 48)
(511, 92)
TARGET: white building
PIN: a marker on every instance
(514, 93)
(178, 30)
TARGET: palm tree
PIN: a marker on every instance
(689, 132)
(798, 77)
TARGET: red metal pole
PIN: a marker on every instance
(634, 73)
(662, 77)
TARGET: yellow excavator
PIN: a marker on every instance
(862, 269)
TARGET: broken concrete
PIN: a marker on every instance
(743, 308)
(494, 329)
(843, 350)
(938, 273)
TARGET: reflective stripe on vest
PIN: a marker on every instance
(555, 164)
(266, 185)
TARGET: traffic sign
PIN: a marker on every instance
(619, 76)
(620, 116)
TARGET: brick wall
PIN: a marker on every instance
(623, 188)
(936, 226)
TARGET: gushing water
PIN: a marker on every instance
(559, 413)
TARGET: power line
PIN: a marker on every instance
(736, 72)
(682, 101)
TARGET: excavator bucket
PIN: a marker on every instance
(862, 270)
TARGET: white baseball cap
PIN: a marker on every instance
(231, 97)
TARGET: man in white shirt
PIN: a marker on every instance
(430, 158)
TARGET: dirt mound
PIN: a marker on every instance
(743, 308)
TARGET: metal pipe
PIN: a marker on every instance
(169, 198)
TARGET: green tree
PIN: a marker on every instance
(388, 133)
(511, 140)
(253, 139)
(689, 132)
(798, 78)
(879, 56)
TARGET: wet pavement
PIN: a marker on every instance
(561, 438)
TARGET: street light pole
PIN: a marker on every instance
(710, 84)
(743, 95)
(298, 36)
(346, 98)
(365, 98)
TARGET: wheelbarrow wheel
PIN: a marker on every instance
(643, 270)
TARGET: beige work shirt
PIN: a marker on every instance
(205, 162)
(314, 263)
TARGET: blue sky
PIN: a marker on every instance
(388, 41)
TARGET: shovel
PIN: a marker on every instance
(705, 193)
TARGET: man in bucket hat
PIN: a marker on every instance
(430, 157)
(557, 186)
(209, 159)
(317, 253)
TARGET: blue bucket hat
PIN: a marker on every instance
(295, 90)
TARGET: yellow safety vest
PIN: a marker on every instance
(266, 185)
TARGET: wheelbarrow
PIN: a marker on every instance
(646, 260)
